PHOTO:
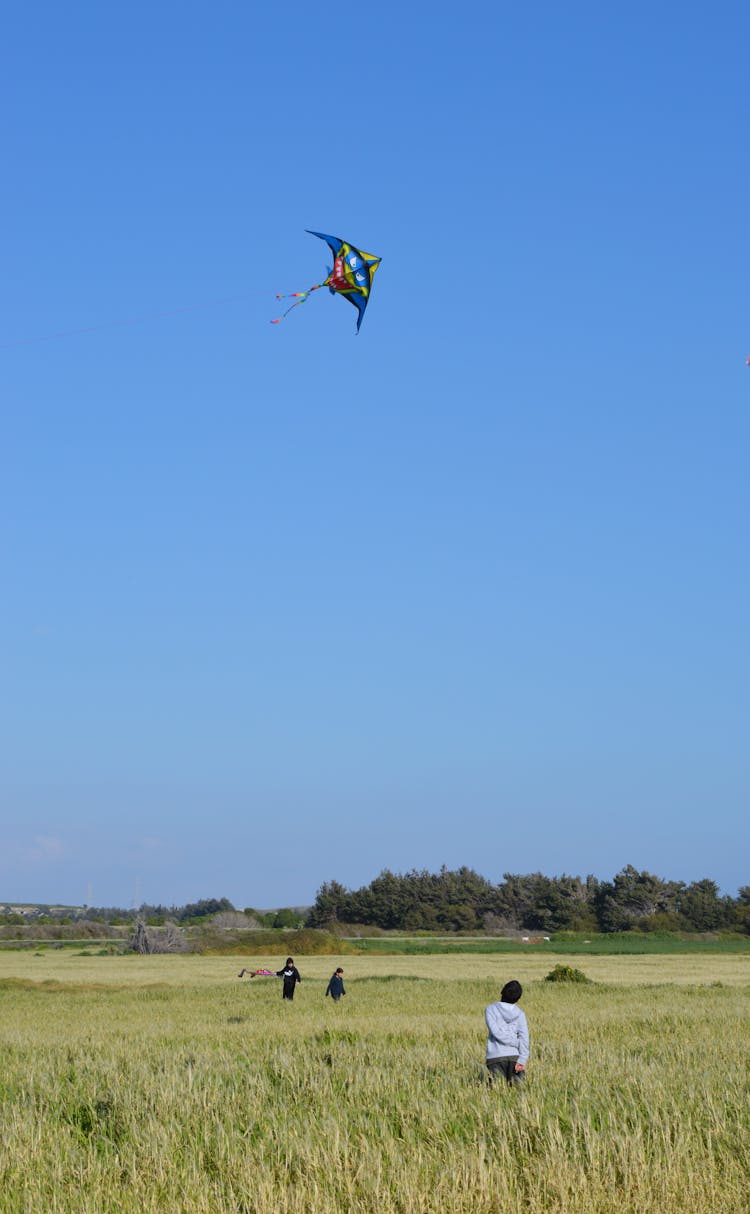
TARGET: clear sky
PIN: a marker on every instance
(282, 604)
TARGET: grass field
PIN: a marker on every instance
(606, 944)
(165, 1084)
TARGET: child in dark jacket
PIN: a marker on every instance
(335, 987)
(291, 977)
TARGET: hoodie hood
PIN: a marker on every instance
(509, 1012)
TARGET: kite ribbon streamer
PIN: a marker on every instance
(300, 296)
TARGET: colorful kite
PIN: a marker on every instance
(351, 276)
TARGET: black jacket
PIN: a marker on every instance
(291, 977)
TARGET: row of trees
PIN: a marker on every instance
(463, 900)
(218, 911)
(459, 900)
(221, 913)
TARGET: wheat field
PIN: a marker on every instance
(165, 1084)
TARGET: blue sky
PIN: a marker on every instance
(283, 604)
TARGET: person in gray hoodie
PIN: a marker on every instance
(507, 1036)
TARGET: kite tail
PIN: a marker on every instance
(300, 297)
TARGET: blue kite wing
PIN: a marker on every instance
(360, 302)
(333, 242)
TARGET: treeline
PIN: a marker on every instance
(463, 900)
(191, 913)
(219, 911)
(448, 901)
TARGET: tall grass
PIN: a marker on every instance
(123, 1090)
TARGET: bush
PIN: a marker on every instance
(167, 939)
(566, 973)
(306, 942)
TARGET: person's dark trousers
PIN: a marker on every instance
(289, 990)
(505, 1068)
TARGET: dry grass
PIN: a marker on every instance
(84, 966)
(165, 1084)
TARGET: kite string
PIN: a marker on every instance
(300, 297)
(126, 321)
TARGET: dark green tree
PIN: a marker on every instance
(633, 898)
(701, 907)
(206, 906)
(329, 904)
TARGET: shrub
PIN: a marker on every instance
(566, 973)
(167, 939)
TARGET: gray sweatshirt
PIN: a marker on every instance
(507, 1032)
